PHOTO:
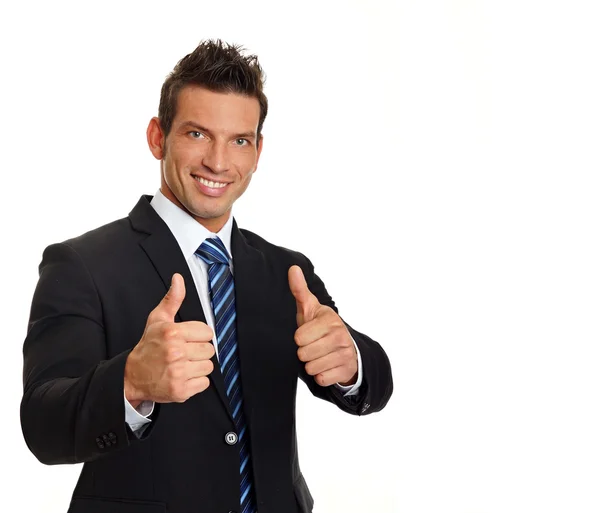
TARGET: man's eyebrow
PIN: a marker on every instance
(248, 135)
(196, 126)
(193, 124)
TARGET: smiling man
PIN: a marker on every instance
(164, 349)
(208, 151)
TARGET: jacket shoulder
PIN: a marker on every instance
(118, 229)
(104, 245)
(278, 252)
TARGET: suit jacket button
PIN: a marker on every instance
(99, 443)
(112, 437)
(231, 438)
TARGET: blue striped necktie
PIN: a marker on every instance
(222, 296)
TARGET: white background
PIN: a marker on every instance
(457, 138)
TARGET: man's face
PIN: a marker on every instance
(210, 154)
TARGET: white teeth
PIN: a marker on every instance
(212, 185)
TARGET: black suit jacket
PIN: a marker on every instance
(90, 308)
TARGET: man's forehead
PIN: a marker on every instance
(199, 105)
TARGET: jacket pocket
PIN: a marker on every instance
(100, 505)
(303, 497)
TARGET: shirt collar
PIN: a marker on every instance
(188, 232)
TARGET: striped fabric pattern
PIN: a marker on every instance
(222, 294)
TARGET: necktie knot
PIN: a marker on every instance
(213, 251)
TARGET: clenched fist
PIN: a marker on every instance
(323, 340)
(171, 362)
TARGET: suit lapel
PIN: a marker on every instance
(166, 256)
(250, 278)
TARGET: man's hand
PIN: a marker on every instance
(171, 362)
(324, 343)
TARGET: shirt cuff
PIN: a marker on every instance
(351, 390)
(137, 418)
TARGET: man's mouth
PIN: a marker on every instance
(210, 183)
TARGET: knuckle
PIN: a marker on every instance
(341, 342)
(203, 384)
(179, 396)
(206, 367)
(333, 358)
(327, 311)
(172, 353)
(210, 350)
(168, 332)
(208, 333)
(348, 353)
(310, 369)
(302, 356)
(336, 322)
(182, 395)
(298, 337)
(173, 389)
(178, 393)
(199, 385)
(151, 319)
(174, 374)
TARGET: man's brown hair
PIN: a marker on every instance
(218, 67)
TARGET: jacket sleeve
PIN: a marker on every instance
(72, 407)
(376, 388)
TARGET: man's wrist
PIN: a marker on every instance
(351, 382)
(134, 404)
(131, 394)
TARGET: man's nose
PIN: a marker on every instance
(216, 157)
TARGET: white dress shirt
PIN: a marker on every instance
(189, 234)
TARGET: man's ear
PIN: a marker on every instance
(155, 138)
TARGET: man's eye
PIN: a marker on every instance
(241, 142)
(195, 134)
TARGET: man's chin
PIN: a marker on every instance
(203, 214)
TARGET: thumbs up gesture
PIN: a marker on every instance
(171, 362)
(324, 343)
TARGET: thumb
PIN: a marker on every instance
(169, 306)
(306, 301)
